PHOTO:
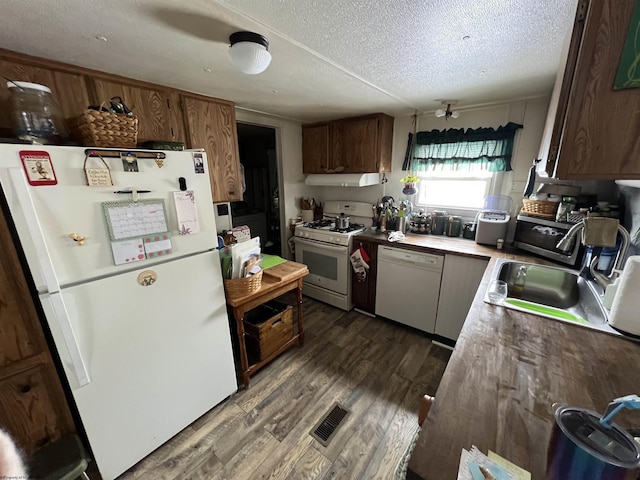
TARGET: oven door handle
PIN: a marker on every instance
(336, 248)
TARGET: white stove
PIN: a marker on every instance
(325, 250)
(326, 231)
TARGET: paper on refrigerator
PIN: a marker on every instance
(186, 212)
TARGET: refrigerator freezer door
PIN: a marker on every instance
(159, 356)
(72, 207)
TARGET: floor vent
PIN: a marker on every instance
(325, 428)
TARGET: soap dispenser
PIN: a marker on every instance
(610, 292)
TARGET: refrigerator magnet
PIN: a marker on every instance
(129, 161)
(198, 163)
(97, 177)
(38, 167)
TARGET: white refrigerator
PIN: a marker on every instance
(137, 314)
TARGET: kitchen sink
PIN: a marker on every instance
(552, 292)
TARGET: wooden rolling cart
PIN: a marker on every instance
(275, 337)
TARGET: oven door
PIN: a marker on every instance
(328, 264)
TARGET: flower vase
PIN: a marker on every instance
(409, 189)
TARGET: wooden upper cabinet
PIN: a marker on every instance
(595, 130)
(157, 109)
(212, 125)
(68, 89)
(355, 145)
(315, 148)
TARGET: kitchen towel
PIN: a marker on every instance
(600, 232)
(624, 311)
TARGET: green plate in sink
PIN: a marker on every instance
(544, 310)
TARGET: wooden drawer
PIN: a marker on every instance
(267, 328)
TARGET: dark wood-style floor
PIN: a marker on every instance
(376, 368)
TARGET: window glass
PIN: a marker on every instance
(454, 189)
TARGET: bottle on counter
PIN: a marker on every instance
(383, 222)
(566, 206)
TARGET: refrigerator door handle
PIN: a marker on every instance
(64, 322)
(35, 231)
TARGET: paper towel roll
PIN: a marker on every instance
(625, 311)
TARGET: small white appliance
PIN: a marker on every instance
(222, 215)
(325, 249)
(138, 319)
(493, 219)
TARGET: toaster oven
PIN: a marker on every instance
(540, 236)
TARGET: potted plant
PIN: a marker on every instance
(410, 184)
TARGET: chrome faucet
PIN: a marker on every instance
(604, 280)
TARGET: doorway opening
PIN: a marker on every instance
(260, 208)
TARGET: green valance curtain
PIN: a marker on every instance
(480, 149)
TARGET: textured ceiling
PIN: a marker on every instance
(330, 59)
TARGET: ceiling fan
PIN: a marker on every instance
(447, 112)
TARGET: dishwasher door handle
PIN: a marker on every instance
(420, 266)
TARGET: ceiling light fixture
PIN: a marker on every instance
(249, 52)
(448, 113)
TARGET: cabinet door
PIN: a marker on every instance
(461, 278)
(212, 125)
(33, 407)
(354, 145)
(29, 409)
(159, 118)
(69, 90)
(363, 290)
(315, 148)
(599, 138)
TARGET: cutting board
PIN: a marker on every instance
(286, 270)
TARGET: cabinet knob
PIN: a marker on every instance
(25, 388)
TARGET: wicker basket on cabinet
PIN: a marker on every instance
(105, 129)
(539, 208)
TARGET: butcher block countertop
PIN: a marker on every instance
(507, 370)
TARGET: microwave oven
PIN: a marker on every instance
(540, 236)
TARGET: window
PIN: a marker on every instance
(459, 168)
(455, 189)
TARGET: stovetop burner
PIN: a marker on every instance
(352, 227)
(329, 225)
(319, 223)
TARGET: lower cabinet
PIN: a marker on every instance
(363, 288)
(33, 406)
(461, 278)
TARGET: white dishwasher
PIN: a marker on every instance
(408, 286)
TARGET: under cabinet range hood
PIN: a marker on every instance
(629, 183)
(343, 179)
